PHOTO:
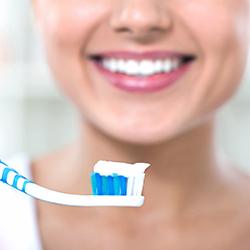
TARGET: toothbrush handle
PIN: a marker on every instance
(12, 178)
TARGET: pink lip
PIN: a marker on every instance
(142, 84)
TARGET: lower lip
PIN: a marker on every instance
(143, 84)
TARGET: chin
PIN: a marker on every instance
(138, 137)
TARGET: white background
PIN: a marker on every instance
(35, 118)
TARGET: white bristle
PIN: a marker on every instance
(135, 187)
(140, 182)
(130, 185)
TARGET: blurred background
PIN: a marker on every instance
(36, 118)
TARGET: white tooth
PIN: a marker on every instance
(167, 65)
(158, 66)
(106, 63)
(113, 65)
(121, 65)
(132, 67)
(175, 64)
(146, 67)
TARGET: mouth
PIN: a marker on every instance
(150, 71)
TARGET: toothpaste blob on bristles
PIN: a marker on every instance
(118, 178)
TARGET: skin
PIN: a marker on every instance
(194, 200)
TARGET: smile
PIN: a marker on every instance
(148, 71)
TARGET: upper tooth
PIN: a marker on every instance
(167, 66)
(110, 64)
(132, 67)
(106, 63)
(121, 65)
(158, 66)
(144, 67)
(113, 65)
(175, 63)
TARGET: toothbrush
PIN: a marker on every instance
(113, 184)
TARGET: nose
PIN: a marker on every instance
(140, 19)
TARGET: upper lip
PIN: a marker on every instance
(151, 55)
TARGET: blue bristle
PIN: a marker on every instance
(93, 183)
(111, 185)
(117, 186)
(99, 184)
(123, 181)
(104, 185)
(108, 185)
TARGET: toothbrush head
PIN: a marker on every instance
(118, 178)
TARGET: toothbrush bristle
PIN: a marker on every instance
(108, 185)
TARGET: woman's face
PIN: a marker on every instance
(197, 52)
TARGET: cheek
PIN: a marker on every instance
(69, 24)
(216, 24)
(220, 31)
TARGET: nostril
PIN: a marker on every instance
(122, 29)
